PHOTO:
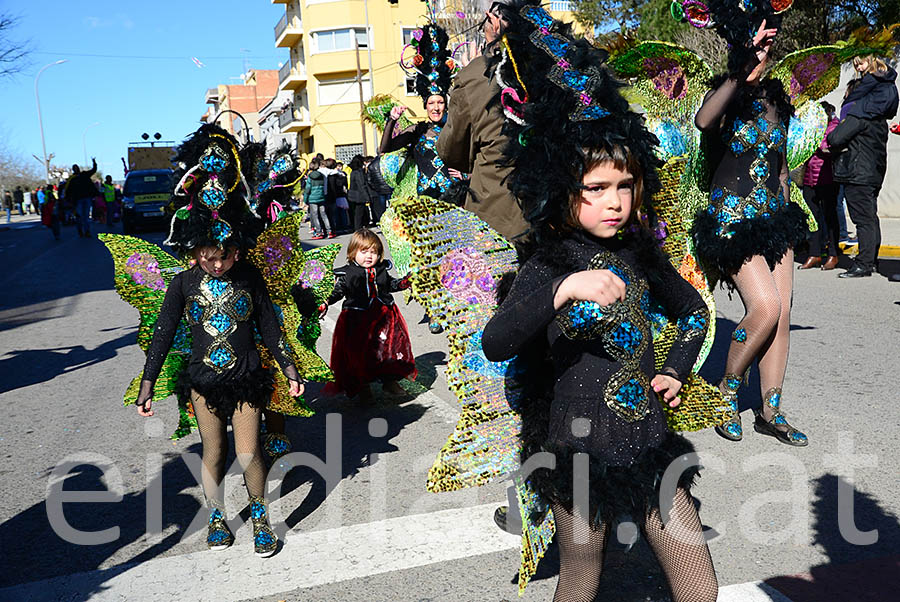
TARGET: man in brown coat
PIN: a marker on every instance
(472, 141)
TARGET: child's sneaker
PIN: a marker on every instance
(317, 237)
(219, 536)
(265, 542)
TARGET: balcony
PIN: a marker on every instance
(281, 1)
(291, 76)
(560, 6)
(212, 96)
(288, 31)
(294, 120)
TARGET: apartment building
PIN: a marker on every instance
(327, 41)
(259, 87)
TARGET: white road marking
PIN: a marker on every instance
(754, 591)
(307, 560)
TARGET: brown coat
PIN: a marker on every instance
(472, 143)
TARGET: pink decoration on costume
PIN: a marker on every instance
(215, 214)
(585, 99)
(508, 105)
(144, 269)
(460, 14)
(274, 209)
(809, 70)
(545, 31)
(563, 63)
(667, 75)
(417, 34)
(467, 276)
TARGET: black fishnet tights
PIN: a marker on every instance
(213, 435)
(678, 544)
(767, 301)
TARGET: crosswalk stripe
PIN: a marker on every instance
(308, 559)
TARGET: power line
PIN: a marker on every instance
(159, 57)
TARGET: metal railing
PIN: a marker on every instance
(284, 71)
(282, 25)
(561, 6)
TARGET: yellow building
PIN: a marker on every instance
(321, 70)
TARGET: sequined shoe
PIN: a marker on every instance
(218, 536)
(778, 425)
(276, 445)
(731, 429)
(265, 542)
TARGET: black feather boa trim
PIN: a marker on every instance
(223, 398)
(770, 237)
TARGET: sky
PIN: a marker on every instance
(145, 80)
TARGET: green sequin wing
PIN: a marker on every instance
(142, 272)
(669, 82)
(378, 109)
(282, 262)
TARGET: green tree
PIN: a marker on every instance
(657, 22)
(607, 15)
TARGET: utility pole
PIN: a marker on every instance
(37, 99)
(362, 105)
(371, 72)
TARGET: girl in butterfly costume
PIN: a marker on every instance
(223, 299)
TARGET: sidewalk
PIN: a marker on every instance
(890, 238)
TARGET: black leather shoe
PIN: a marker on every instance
(856, 272)
(501, 519)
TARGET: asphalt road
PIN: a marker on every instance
(68, 350)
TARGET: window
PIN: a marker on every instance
(340, 91)
(345, 152)
(333, 40)
(408, 34)
(411, 86)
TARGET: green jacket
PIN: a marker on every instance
(314, 193)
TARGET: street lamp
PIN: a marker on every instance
(83, 146)
(40, 120)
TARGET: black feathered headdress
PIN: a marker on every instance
(560, 100)
(211, 194)
(433, 63)
(273, 184)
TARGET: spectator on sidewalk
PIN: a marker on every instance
(19, 199)
(358, 194)
(379, 190)
(80, 192)
(314, 197)
(861, 139)
(8, 205)
(820, 193)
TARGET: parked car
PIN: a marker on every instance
(145, 196)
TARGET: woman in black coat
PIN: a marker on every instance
(861, 141)
(358, 194)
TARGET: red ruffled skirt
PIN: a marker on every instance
(370, 345)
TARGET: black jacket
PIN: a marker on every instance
(875, 97)
(359, 190)
(80, 185)
(861, 145)
(375, 180)
(353, 283)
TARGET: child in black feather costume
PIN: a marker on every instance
(223, 300)
(575, 316)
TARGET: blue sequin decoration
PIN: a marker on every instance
(220, 231)
(242, 307)
(761, 170)
(739, 335)
(734, 429)
(627, 336)
(212, 197)
(775, 400)
(212, 163)
(733, 384)
(257, 511)
(630, 394)
(281, 165)
(220, 322)
(220, 357)
(217, 286)
(196, 311)
(692, 322)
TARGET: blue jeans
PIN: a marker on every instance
(83, 207)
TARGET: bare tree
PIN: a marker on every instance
(706, 43)
(13, 53)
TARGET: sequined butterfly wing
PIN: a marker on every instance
(142, 273)
(283, 263)
(457, 261)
